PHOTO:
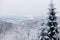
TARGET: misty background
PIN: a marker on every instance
(27, 8)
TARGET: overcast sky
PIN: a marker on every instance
(27, 8)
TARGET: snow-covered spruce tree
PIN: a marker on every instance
(38, 34)
(52, 23)
(43, 34)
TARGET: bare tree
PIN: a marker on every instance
(28, 34)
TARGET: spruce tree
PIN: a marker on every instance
(52, 23)
(43, 34)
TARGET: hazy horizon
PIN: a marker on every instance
(27, 8)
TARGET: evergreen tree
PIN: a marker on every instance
(52, 23)
(43, 34)
(38, 34)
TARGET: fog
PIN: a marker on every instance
(27, 8)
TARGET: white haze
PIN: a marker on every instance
(27, 8)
